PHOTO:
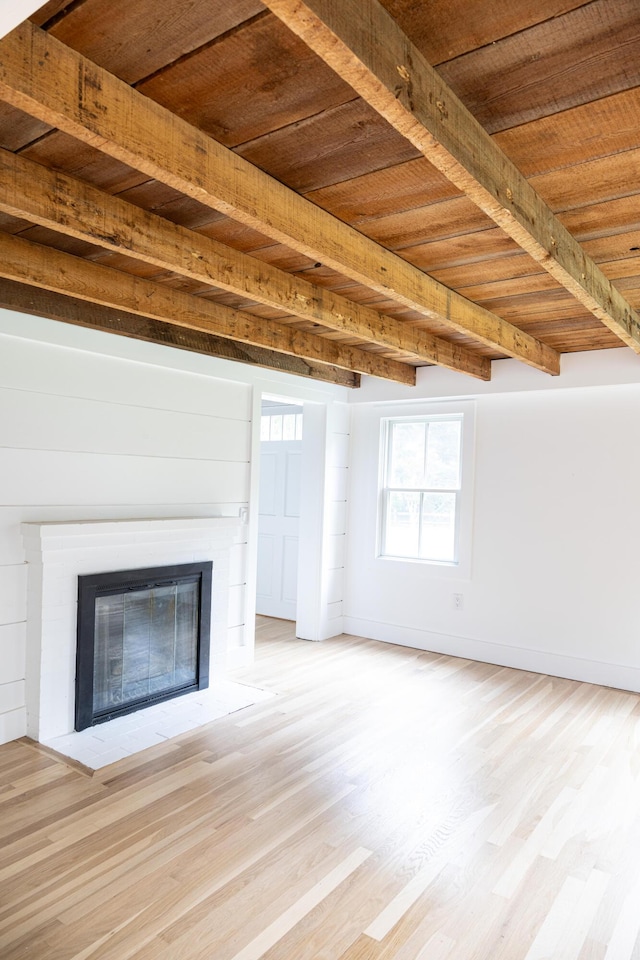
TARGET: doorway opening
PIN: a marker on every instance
(279, 508)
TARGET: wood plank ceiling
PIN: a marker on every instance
(328, 187)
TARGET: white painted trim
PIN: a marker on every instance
(310, 601)
(309, 607)
(251, 520)
(614, 675)
(466, 410)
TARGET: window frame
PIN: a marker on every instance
(463, 412)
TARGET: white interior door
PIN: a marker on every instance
(279, 507)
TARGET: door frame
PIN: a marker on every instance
(309, 604)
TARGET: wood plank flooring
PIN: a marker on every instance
(388, 804)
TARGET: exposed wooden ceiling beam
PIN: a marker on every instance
(44, 303)
(31, 263)
(33, 192)
(48, 80)
(367, 48)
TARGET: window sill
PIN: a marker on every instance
(446, 570)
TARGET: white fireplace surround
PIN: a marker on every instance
(57, 553)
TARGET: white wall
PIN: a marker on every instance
(554, 575)
(94, 426)
(13, 12)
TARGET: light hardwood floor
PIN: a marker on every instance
(388, 803)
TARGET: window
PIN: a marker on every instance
(281, 426)
(422, 488)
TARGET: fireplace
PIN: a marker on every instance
(142, 638)
(58, 553)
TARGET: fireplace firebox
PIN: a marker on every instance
(143, 637)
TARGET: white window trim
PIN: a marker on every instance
(460, 569)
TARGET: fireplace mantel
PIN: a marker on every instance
(57, 553)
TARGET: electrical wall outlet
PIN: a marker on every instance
(458, 601)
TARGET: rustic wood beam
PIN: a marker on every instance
(44, 303)
(43, 77)
(367, 48)
(41, 266)
(33, 192)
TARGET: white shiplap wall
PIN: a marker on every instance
(95, 427)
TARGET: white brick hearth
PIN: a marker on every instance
(57, 553)
(106, 743)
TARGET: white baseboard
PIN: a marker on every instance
(522, 658)
(333, 627)
(327, 629)
(13, 725)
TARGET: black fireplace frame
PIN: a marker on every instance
(120, 581)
